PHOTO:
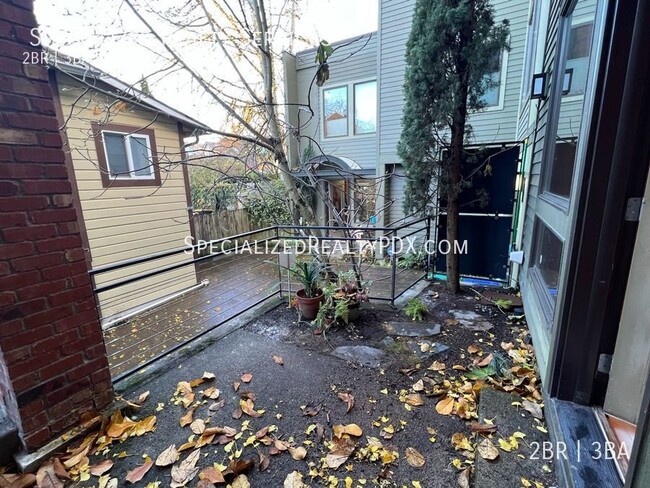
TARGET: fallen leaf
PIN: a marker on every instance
(293, 480)
(437, 366)
(212, 474)
(460, 441)
(248, 407)
(278, 360)
(100, 468)
(347, 398)
(186, 471)
(240, 481)
(187, 419)
(246, 377)
(485, 361)
(264, 462)
(483, 428)
(212, 393)
(487, 450)
(142, 397)
(533, 408)
(463, 478)
(138, 473)
(414, 399)
(208, 376)
(311, 411)
(239, 466)
(351, 429)
(473, 349)
(414, 457)
(235, 385)
(198, 426)
(168, 457)
(298, 453)
(334, 459)
(20, 481)
(451, 322)
(76, 459)
(445, 406)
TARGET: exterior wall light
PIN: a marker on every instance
(539, 86)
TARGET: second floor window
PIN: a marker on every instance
(335, 111)
(492, 97)
(359, 99)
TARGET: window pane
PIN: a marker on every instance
(335, 111)
(140, 156)
(118, 165)
(546, 257)
(491, 97)
(560, 162)
(365, 107)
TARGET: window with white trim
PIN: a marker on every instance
(492, 96)
(128, 155)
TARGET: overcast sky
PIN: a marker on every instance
(78, 24)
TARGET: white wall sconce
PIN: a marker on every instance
(539, 86)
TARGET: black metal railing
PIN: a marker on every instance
(390, 280)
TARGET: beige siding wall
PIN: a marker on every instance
(127, 222)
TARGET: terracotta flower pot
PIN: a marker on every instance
(308, 307)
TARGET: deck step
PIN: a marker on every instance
(9, 438)
(509, 468)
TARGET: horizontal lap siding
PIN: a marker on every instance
(123, 223)
(354, 61)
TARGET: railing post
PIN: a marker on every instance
(426, 247)
(393, 259)
(277, 236)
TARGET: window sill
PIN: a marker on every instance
(561, 203)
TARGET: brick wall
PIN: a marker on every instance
(55, 365)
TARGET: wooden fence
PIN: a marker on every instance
(209, 225)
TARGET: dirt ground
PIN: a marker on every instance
(295, 396)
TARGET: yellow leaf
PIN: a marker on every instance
(487, 450)
(445, 406)
(414, 457)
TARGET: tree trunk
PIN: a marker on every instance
(453, 272)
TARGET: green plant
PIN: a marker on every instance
(412, 260)
(309, 275)
(268, 207)
(351, 287)
(415, 309)
(503, 304)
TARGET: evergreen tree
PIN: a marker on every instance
(144, 87)
(450, 53)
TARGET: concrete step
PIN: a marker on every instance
(9, 438)
(526, 460)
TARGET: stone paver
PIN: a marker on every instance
(471, 320)
(364, 355)
(412, 329)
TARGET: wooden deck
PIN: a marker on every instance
(236, 283)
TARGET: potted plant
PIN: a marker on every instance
(310, 296)
(352, 292)
(330, 310)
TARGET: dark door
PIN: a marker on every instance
(486, 214)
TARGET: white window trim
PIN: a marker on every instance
(350, 90)
(129, 157)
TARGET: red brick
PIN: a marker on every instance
(60, 367)
(5, 155)
(47, 216)
(58, 243)
(27, 87)
(14, 102)
(83, 343)
(8, 188)
(18, 281)
(33, 233)
(67, 228)
(17, 16)
(53, 171)
(45, 106)
(35, 71)
(76, 320)
(79, 280)
(38, 261)
(32, 408)
(34, 422)
(62, 201)
(97, 351)
(17, 355)
(67, 391)
(50, 140)
(24, 382)
(48, 316)
(34, 122)
(73, 255)
(20, 170)
(7, 298)
(6, 30)
(86, 370)
(39, 155)
(46, 187)
(11, 328)
(8, 220)
(24, 203)
(89, 304)
(14, 50)
(14, 137)
(4, 268)
(64, 270)
(25, 338)
(37, 438)
(54, 343)
(31, 307)
(41, 289)
(101, 375)
(74, 295)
